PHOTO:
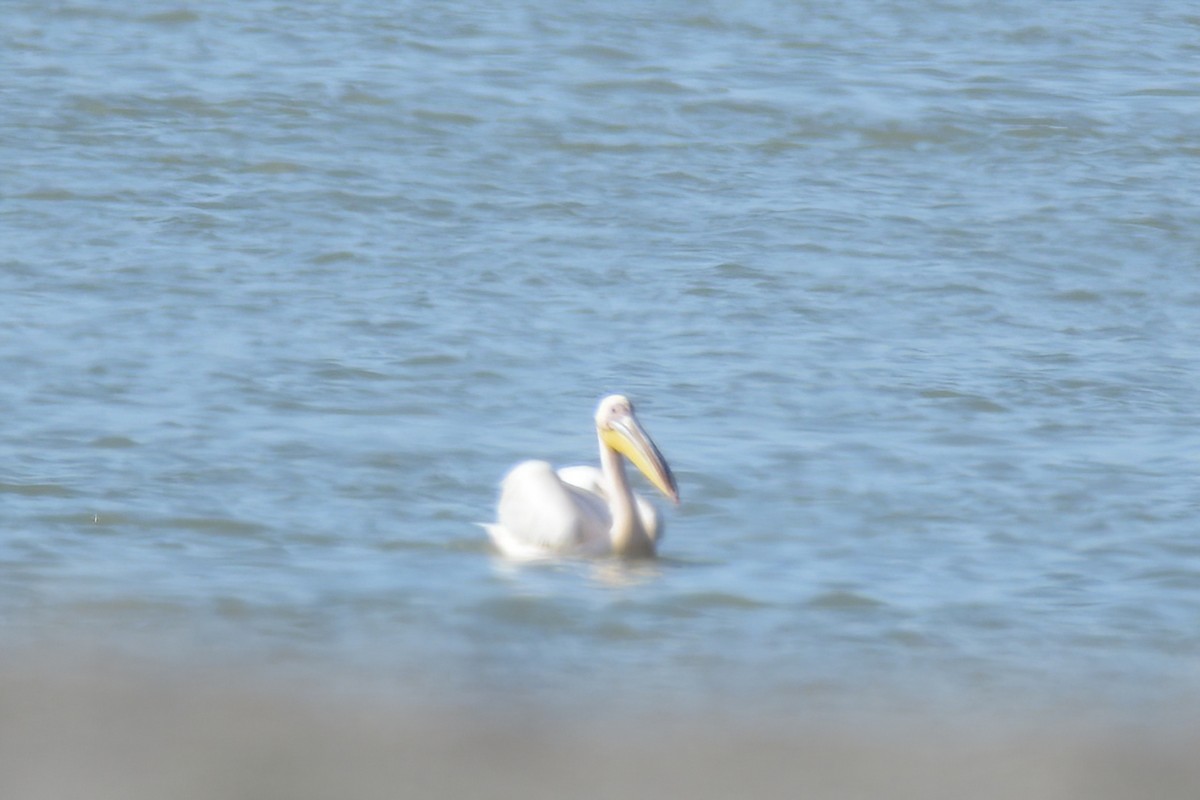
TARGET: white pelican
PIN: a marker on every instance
(584, 510)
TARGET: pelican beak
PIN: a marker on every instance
(627, 436)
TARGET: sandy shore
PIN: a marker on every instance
(109, 732)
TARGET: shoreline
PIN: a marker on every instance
(107, 728)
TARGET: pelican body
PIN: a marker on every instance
(584, 511)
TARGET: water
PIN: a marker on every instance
(907, 296)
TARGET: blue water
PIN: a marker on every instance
(907, 297)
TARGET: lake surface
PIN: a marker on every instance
(908, 296)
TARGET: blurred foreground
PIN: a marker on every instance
(104, 730)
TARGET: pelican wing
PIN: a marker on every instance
(589, 479)
(540, 515)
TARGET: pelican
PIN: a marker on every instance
(584, 511)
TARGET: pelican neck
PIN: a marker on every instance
(628, 537)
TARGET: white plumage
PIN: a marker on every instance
(584, 511)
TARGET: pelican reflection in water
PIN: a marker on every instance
(583, 510)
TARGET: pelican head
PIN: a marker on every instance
(620, 430)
